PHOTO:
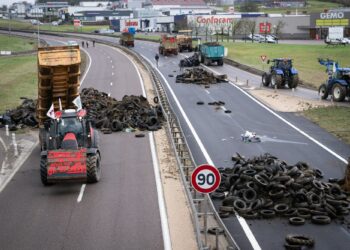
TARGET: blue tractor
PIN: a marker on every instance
(280, 74)
(338, 83)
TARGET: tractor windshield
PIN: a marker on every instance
(284, 64)
(70, 124)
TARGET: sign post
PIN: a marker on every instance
(263, 59)
(205, 179)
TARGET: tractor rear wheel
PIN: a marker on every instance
(220, 62)
(293, 81)
(338, 92)
(276, 80)
(43, 170)
(323, 92)
(266, 79)
(93, 168)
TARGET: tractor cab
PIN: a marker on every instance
(69, 122)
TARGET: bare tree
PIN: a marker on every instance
(277, 29)
(248, 27)
(236, 26)
(207, 29)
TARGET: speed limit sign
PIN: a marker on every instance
(206, 178)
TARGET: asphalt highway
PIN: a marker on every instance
(285, 135)
(214, 136)
(119, 212)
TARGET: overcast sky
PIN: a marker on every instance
(9, 2)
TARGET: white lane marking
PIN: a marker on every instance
(207, 91)
(112, 73)
(161, 202)
(112, 66)
(111, 61)
(242, 221)
(111, 83)
(14, 143)
(81, 193)
(22, 158)
(88, 68)
(287, 122)
(3, 144)
(137, 70)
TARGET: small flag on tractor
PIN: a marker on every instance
(77, 103)
(51, 112)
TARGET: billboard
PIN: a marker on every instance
(327, 19)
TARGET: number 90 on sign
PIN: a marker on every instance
(205, 179)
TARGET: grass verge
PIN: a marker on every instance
(48, 27)
(333, 119)
(305, 57)
(18, 78)
(12, 43)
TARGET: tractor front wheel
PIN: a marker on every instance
(276, 80)
(338, 92)
(266, 79)
(93, 168)
(43, 170)
(293, 81)
(322, 91)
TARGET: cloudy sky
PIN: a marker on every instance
(9, 2)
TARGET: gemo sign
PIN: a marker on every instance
(332, 15)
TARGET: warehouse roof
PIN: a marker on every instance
(178, 2)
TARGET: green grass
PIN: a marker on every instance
(305, 57)
(148, 37)
(333, 119)
(12, 43)
(48, 27)
(18, 78)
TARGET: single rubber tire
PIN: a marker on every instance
(93, 168)
(302, 240)
(338, 92)
(323, 92)
(296, 221)
(321, 219)
(293, 81)
(43, 171)
(266, 79)
(276, 80)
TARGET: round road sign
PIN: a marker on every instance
(206, 178)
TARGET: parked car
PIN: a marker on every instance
(267, 39)
(256, 37)
(346, 40)
(54, 23)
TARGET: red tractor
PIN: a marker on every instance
(70, 149)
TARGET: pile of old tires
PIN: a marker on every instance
(190, 61)
(22, 116)
(200, 76)
(266, 187)
(111, 115)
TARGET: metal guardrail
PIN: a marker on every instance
(183, 154)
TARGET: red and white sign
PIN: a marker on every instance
(263, 58)
(265, 27)
(77, 23)
(206, 178)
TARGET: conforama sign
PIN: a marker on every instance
(213, 20)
